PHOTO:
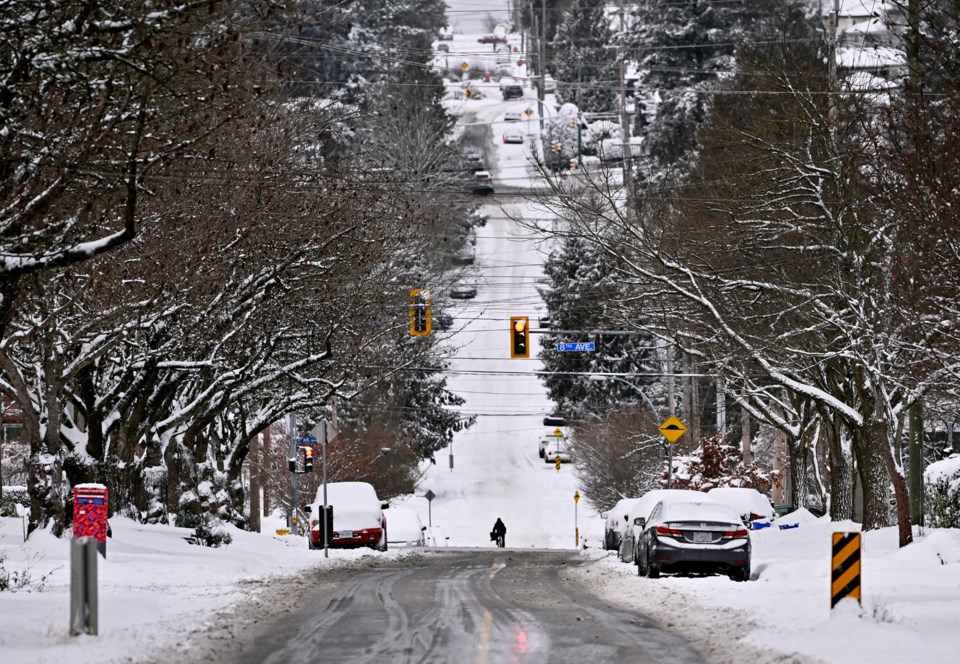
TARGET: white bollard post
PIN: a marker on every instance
(83, 586)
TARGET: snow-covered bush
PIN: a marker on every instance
(942, 486)
(714, 464)
(13, 496)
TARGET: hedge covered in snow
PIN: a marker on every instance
(942, 486)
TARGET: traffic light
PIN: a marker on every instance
(308, 459)
(419, 313)
(573, 164)
(519, 336)
(558, 147)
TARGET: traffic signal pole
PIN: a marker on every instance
(292, 464)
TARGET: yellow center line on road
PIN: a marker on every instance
(484, 647)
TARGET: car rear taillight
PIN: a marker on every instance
(734, 534)
(667, 531)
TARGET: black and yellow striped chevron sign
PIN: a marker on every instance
(845, 568)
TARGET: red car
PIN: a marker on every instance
(357, 517)
(492, 39)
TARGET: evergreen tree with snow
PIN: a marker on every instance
(581, 280)
(584, 58)
(682, 49)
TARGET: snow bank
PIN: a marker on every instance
(911, 599)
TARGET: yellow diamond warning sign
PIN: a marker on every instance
(672, 429)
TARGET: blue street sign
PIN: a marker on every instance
(308, 440)
(577, 348)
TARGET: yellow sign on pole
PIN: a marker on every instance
(557, 433)
(672, 429)
(464, 65)
(528, 111)
(576, 496)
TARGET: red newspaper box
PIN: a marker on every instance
(90, 513)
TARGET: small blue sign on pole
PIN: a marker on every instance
(582, 347)
(308, 440)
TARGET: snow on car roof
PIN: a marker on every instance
(745, 501)
(648, 501)
(348, 493)
(706, 510)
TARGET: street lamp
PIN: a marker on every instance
(656, 414)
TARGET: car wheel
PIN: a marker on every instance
(653, 572)
(740, 574)
(542, 455)
(641, 567)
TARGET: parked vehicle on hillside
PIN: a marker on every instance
(693, 537)
(559, 448)
(510, 88)
(406, 528)
(513, 135)
(463, 292)
(615, 522)
(482, 183)
(358, 518)
(750, 504)
(544, 444)
(641, 508)
(492, 39)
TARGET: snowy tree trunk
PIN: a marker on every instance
(797, 461)
(884, 444)
(841, 473)
(873, 475)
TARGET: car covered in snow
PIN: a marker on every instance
(559, 447)
(750, 504)
(513, 135)
(681, 536)
(358, 518)
(406, 527)
(482, 183)
(615, 522)
(641, 508)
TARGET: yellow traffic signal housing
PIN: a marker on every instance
(419, 313)
(519, 336)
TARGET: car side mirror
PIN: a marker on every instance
(423, 529)
(640, 521)
(307, 509)
(384, 506)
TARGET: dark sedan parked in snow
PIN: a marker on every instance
(692, 537)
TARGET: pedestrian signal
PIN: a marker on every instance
(558, 147)
(419, 313)
(520, 336)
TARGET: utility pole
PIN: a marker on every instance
(292, 465)
(745, 430)
(672, 410)
(255, 475)
(721, 407)
(832, 28)
(265, 470)
(624, 118)
(543, 50)
(915, 455)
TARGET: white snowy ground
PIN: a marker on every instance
(155, 588)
